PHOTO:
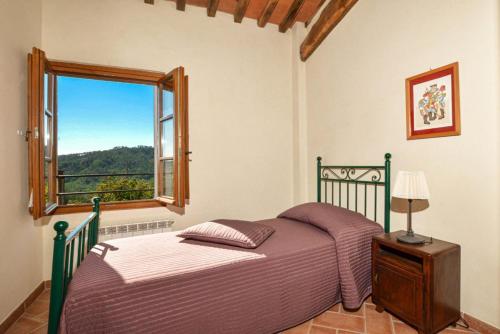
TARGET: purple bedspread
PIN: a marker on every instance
(160, 283)
(353, 236)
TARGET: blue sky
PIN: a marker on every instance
(98, 115)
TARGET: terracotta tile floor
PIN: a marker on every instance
(365, 320)
(334, 321)
(36, 317)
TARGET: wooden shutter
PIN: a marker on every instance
(171, 138)
(42, 130)
(186, 137)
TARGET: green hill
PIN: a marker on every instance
(133, 160)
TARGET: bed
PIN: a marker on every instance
(161, 283)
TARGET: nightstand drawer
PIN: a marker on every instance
(400, 290)
(399, 259)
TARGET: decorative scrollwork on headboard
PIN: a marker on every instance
(355, 174)
(355, 179)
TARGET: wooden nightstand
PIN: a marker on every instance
(418, 283)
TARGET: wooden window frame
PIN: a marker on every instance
(159, 158)
(187, 152)
(174, 81)
(36, 71)
(36, 62)
(51, 158)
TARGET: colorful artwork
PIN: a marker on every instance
(433, 104)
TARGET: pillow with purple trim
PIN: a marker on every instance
(239, 233)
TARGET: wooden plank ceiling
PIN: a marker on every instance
(283, 13)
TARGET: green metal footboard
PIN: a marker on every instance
(357, 179)
(64, 260)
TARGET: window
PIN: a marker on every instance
(49, 142)
(171, 176)
(112, 158)
(172, 163)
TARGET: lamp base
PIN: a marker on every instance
(411, 239)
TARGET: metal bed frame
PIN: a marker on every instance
(64, 261)
(358, 179)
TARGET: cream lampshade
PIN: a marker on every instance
(410, 194)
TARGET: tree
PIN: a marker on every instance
(138, 159)
(122, 183)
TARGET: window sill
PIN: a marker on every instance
(49, 210)
(75, 208)
(166, 200)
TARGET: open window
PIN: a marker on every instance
(42, 141)
(171, 139)
(170, 116)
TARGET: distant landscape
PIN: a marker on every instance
(138, 159)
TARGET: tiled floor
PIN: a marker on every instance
(35, 319)
(365, 320)
(334, 321)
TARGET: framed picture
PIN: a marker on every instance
(433, 103)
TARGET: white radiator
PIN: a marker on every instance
(133, 229)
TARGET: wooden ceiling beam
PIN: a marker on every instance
(180, 5)
(212, 7)
(333, 13)
(290, 17)
(321, 3)
(266, 13)
(240, 10)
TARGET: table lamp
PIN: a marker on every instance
(410, 194)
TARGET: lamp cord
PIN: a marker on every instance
(465, 323)
(428, 242)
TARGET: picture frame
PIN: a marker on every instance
(433, 103)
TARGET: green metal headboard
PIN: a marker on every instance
(357, 179)
(64, 261)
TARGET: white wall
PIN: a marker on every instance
(240, 97)
(20, 240)
(356, 112)
(259, 117)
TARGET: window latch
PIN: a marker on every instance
(36, 133)
(25, 134)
